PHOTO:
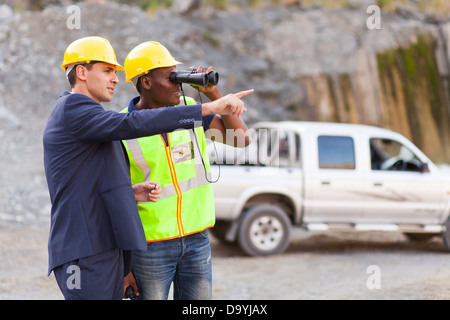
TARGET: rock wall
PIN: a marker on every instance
(304, 64)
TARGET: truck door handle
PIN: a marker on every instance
(378, 184)
(325, 183)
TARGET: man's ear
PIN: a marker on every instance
(81, 72)
(146, 83)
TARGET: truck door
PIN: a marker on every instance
(399, 188)
(333, 181)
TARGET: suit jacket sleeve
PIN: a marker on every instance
(89, 122)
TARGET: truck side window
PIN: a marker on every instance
(278, 148)
(336, 152)
(273, 148)
(298, 146)
(285, 151)
(387, 154)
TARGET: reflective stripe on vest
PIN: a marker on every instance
(199, 180)
(139, 158)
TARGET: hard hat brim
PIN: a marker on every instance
(173, 64)
(118, 66)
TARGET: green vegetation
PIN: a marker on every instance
(410, 80)
(216, 4)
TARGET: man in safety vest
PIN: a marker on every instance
(178, 248)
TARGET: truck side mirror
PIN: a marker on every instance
(424, 167)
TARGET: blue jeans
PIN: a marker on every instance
(184, 261)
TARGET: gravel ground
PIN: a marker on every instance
(335, 266)
(315, 266)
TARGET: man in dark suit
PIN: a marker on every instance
(94, 219)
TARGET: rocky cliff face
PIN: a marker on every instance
(304, 64)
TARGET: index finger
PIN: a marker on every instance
(244, 93)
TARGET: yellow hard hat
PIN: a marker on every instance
(145, 57)
(90, 49)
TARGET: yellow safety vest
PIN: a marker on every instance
(186, 205)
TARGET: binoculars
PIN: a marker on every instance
(195, 79)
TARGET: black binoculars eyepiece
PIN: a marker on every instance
(195, 79)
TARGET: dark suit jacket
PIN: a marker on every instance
(87, 171)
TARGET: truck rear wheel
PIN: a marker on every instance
(265, 229)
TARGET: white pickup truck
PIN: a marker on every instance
(326, 176)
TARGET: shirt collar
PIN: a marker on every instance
(132, 104)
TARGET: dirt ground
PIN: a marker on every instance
(315, 266)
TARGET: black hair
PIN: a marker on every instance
(138, 83)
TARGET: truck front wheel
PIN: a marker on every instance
(446, 235)
(265, 229)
